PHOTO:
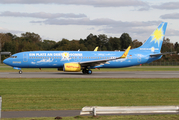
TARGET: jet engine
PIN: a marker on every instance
(72, 67)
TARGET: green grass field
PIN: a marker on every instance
(71, 94)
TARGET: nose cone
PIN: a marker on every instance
(6, 61)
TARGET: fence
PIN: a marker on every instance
(94, 110)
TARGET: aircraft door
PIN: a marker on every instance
(138, 58)
(25, 57)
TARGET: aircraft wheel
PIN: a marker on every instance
(84, 71)
(20, 72)
(89, 72)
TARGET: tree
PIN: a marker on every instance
(102, 41)
(114, 44)
(126, 40)
(48, 45)
(136, 43)
(31, 37)
(167, 46)
(63, 45)
(90, 42)
(176, 47)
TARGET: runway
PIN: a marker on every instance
(119, 74)
(59, 113)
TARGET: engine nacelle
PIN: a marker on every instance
(72, 67)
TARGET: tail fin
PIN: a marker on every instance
(154, 42)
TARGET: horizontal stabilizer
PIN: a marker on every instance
(162, 54)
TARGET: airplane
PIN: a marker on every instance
(75, 61)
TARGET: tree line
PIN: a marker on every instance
(33, 42)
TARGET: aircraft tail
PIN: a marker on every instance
(154, 42)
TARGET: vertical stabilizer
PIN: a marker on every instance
(154, 42)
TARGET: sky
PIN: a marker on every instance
(76, 19)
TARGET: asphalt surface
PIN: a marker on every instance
(53, 113)
(133, 74)
(60, 113)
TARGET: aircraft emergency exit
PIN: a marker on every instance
(75, 61)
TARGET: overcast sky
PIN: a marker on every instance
(75, 19)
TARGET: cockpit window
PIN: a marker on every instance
(13, 57)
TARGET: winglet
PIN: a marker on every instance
(96, 49)
(126, 53)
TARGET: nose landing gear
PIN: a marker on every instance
(20, 72)
(16, 68)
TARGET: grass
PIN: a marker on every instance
(5, 68)
(121, 117)
(70, 94)
(62, 94)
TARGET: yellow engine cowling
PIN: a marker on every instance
(72, 67)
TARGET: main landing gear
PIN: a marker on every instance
(87, 71)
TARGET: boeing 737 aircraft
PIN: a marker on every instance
(75, 61)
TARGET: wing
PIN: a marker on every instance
(103, 61)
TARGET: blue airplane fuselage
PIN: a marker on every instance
(56, 59)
